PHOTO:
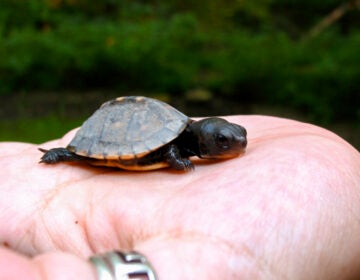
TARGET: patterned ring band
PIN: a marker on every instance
(116, 265)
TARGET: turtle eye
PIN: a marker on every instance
(222, 141)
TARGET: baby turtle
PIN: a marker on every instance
(141, 133)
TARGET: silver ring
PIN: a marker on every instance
(116, 265)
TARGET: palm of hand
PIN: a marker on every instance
(279, 211)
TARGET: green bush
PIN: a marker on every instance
(113, 46)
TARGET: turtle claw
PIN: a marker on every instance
(188, 165)
(183, 164)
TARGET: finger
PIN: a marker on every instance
(54, 266)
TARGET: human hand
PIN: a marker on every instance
(288, 209)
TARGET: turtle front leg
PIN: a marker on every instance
(57, 155)
(174, 159)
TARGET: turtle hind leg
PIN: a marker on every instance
(57, 155)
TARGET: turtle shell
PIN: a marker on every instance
(128, 127)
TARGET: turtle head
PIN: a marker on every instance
(219, 139)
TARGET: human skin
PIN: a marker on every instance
(289, 208)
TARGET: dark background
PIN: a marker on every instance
(59, 60)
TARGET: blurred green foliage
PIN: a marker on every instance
(36, 130)
(245, 50)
